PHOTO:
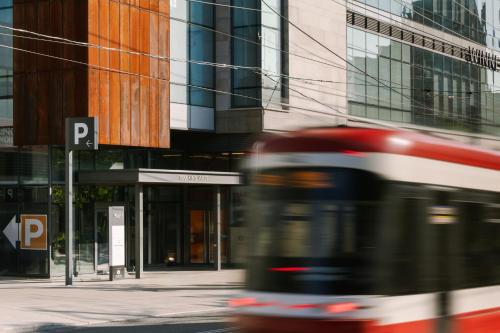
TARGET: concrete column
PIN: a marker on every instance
(217, 210)
(139, 223)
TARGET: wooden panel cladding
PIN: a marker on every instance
(121, 77)
(46, 88)
(133, 91)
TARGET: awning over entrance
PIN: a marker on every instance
(140, 177)
(154, 176)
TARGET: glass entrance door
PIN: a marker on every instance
(102, 240)
(202, 236)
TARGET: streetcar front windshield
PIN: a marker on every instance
(313, 230)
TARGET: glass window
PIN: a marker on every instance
(8, 167)
(406, 53)
(396, 90)
(246, 24)
(336, 231)
(201, 49)
(359, 39)
(106, 159)
(385, 5)
(372, 43)
(372, 79)
(385, 77)
(6, 65)
(395, 50)
(384, 46)
(349, 36)
(33, 165)
(427, 88)
(202, 13)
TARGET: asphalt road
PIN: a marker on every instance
(209, 322)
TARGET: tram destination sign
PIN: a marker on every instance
(481, 58)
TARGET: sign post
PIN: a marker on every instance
(116, 242)
(81, 134)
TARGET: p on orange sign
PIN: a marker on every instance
(33, 232)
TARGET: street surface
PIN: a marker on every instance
(174, 301)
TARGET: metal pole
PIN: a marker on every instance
(218, 258)
(139, 221)
(69, 209)
(49, 210)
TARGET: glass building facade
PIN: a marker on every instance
(246, 52)
(179, 220)
(259, 39)
(6, 70)
(395, 81)
(476, 20)
(201, 49)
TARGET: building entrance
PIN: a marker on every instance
(162, 229)
(172, 217)
(201, 236)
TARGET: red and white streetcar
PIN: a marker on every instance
(371, 230)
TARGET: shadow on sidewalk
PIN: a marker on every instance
(212, 325)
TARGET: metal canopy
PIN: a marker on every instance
(157, 176)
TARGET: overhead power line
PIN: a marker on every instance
(222, 65)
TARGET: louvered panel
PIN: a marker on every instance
(371, 24)
(359, 20)
(350, 18)
(396, 32)
(428, 42)
(399, 33)
(448, 49)
(438, 46)
(407, 36)
(418, 40)
(385, 28)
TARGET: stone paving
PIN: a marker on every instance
(42, 305)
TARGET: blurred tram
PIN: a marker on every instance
(370, 230)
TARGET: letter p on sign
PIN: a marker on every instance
(81, 131)
(34, 232)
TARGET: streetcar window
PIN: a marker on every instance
(492, 213)
(325, 218)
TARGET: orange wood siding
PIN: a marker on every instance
(164, 73)
(128, 93)
(46, 90)
(124, 77)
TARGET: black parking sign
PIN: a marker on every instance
(82, 133)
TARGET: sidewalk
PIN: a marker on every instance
(37, 305)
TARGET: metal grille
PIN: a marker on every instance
(418, 40)
(359, 20)
(428, 43)
(408, 36)
(385, 28)
(371, 24)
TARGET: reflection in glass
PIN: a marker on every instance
(405, 83)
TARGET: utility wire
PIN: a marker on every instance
(137, 53)
(331, 51)
(340, 114)
(305, 111)
(255, 69)
(70, 42)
